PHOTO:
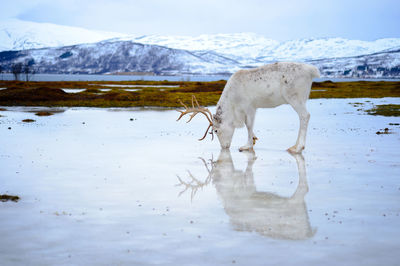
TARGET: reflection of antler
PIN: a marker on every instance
(194, 184)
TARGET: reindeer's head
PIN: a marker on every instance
(223, 128)
(224, 131)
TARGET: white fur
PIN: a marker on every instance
(267, 86)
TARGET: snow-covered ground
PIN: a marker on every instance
(99, 187)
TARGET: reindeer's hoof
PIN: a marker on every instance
(295, 149)
(246, 148)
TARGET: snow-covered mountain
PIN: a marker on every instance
(336, 57)
(20, 35)
(243, 47)
(250, 47)
(127, 56)
(77, 50)
(121, 56)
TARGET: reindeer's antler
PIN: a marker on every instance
(195, 110)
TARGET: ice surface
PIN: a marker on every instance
(107, 187)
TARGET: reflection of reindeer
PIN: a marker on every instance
(250, 210)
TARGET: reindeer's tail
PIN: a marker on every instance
(314, 72)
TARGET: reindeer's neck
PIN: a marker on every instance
(228, 110)
(224, 109)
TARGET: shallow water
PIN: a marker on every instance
(137, 86)
(130, 186)
(73, 90)
(102, 90)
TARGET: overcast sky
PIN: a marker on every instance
(280, 19)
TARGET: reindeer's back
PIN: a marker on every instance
(282, 70)
(270, 85)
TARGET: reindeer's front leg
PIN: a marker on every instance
(251, 139)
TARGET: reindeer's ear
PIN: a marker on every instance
(217, 119)
(219, 110)
(218, 115)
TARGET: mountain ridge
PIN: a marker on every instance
(203, 54)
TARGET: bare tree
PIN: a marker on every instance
(28, 70)
(16, 69)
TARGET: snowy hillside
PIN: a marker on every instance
(19, 35)
(384, 64)
(309, 49)
(250, 48)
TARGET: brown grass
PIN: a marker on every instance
(355, 89)
(44, 113)
(20, 93)
(28, 120)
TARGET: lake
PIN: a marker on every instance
(126, 186)
(87, 77)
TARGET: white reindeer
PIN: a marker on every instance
(267, 86)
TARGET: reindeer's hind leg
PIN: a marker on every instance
(304, 117)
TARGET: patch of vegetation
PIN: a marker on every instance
(34, 94)
(383, 131)
(18, 94)
(44, 113)
(385, 110)
(50, 93)
(6, 197)
(355, 89)
(91, 90)
(28, 120)
(357, 104)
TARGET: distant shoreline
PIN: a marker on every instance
(154, 77)
(131, 74)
